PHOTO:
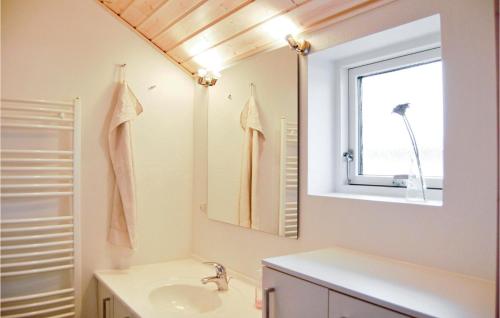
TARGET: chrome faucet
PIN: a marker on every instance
(220, 278)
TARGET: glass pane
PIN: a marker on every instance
(385, 144)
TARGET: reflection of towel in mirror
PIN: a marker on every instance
(123, 213)
(253, 134)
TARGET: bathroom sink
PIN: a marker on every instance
(174, 290)
(184, 298)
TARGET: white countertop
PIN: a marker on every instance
(410, 289)
(133, 286)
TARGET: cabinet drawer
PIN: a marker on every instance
(121, 311)
(293, 297)
(105, 304)
(342, 306)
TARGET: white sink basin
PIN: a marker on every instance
(174, 290)
(184, 298)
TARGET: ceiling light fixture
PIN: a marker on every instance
(207, 78)
(301, 46)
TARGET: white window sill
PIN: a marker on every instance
(379, 198)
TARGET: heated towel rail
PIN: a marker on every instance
(289, 179)
(40, 201)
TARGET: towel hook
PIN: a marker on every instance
(123, 69)
(252, 88)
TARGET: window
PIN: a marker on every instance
(377, 139)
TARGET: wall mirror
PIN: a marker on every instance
(253, 144)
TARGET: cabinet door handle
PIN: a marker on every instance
(268, 292)
(105, 302)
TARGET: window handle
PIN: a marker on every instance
(348, 157)
(400, 180)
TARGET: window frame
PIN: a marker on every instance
(351, 142)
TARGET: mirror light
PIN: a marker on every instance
(209, 60)
(280, 27)
(301, 46)
(207, 78)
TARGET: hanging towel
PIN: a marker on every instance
(123, 213)
(253, 135)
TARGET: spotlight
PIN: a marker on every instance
(302, 47)
(207, 78)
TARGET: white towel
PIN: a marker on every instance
(254, 134)
(123, 213)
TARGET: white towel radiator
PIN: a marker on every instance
(289, 179)
(40, 203)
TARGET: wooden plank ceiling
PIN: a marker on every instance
(215, 34)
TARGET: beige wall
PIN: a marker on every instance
(460, 236)
(60, 49)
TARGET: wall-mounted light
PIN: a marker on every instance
(301, 46)
(207, 78)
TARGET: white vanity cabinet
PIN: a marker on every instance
(121, 311)
(105, 301)
(342, 306)
(109, 306)
(342, 283)
(292, 297)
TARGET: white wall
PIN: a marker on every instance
(460, 236)
(60, 49)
